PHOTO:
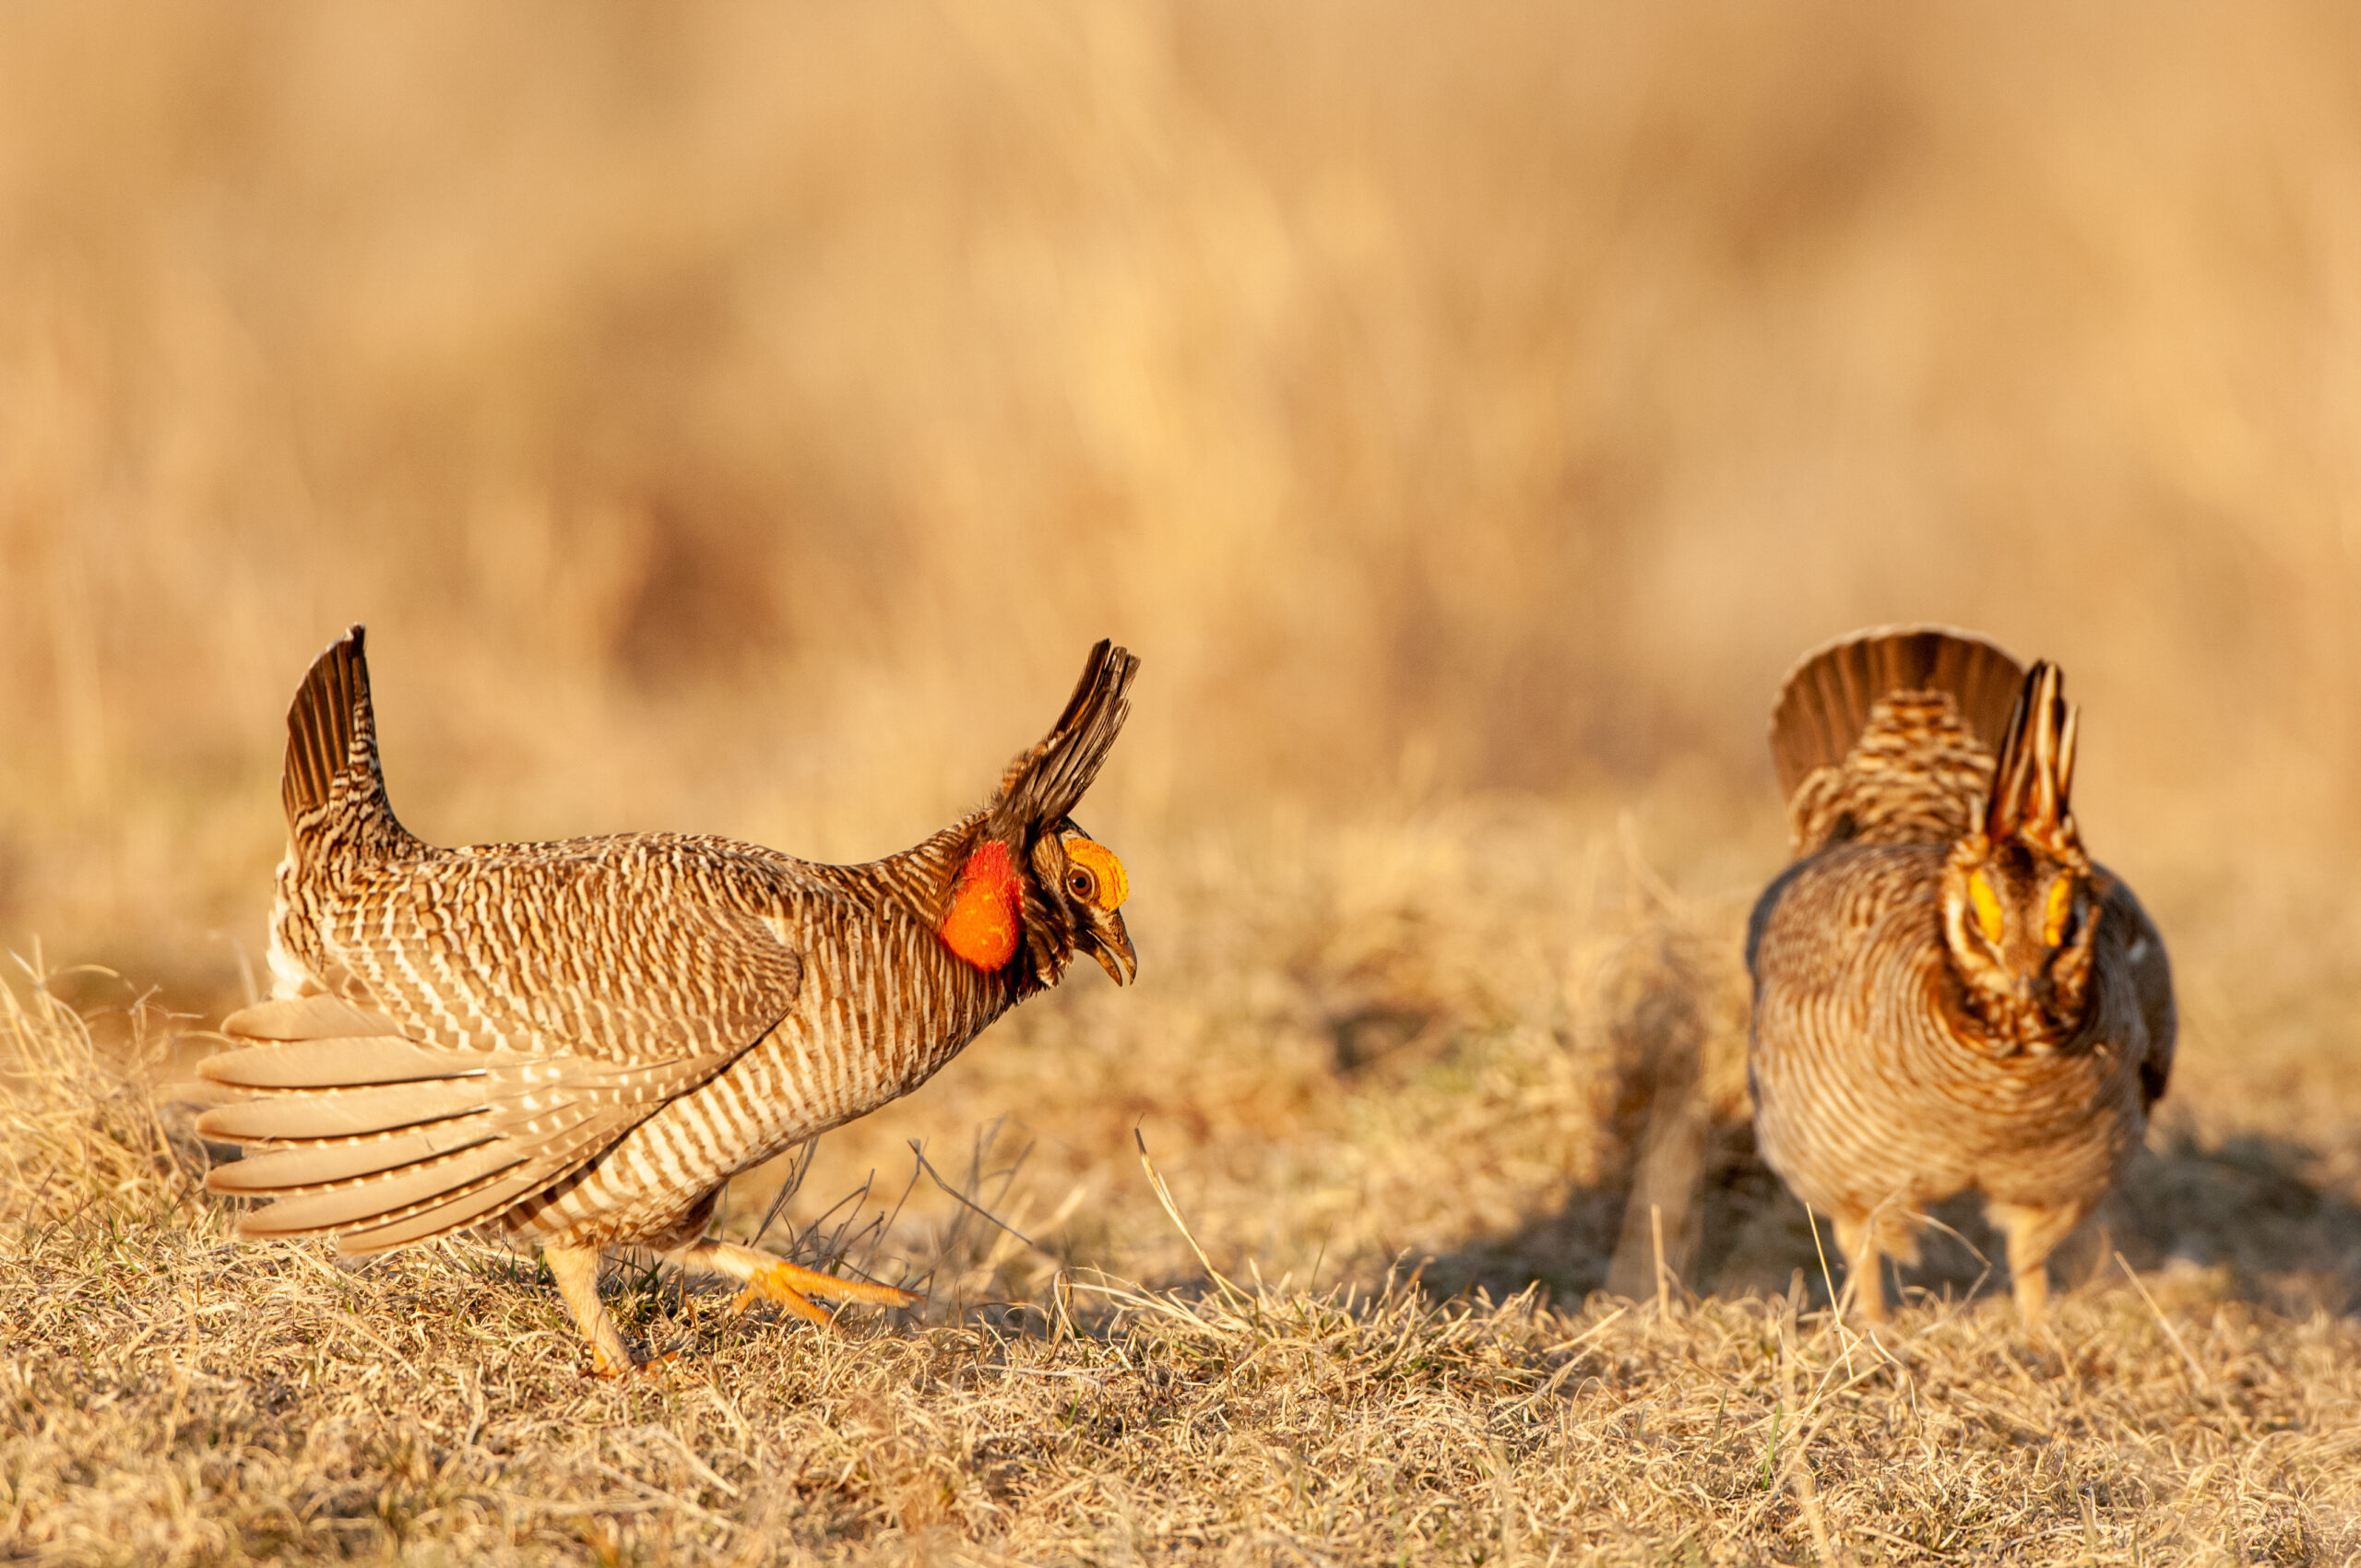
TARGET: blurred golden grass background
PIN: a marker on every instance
(739, 418)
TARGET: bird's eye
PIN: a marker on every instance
(2057, 916)
(1988, 906)
(1095, 876)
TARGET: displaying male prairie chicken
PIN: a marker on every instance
(579, 1042)
(1949, 992)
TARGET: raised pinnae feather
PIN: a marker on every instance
(1824, 702)
(2034, 775)
(2066, 752)
(1047, 780)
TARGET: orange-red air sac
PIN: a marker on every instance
(982, 925)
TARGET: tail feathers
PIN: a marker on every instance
(2033, 779)
(332, 737)
(360, 1131)
(1047, 781)
(1824, 703)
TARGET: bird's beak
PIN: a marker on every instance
(1110, 943)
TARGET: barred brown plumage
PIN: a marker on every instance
(1948, 993)
(579, 1042)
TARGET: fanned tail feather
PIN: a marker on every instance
(290, 1118)
(339, 1061)
(1824, 703)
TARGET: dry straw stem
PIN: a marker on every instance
(171, 1395)
(80, 1127)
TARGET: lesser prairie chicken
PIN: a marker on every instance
(579, 1043)
(1949, 992)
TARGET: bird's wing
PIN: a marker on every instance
(618, 950)
(492, 1056)
(2142, 946)
(363, 1131)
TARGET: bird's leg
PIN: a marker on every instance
(1857, 1238)
(2032, 1233)
(770, 1278)
(575, 1270)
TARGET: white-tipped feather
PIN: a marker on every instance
(376, 1129)
(288, 1118)
(338, 1208)
(455, 1213)
(338, 1064)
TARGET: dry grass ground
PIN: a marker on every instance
(1402, 1099)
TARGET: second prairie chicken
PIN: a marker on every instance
(1949, 992)
(579, 1043)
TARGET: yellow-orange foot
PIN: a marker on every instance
(773, 1279)
(603, 1366)
(793, 1289)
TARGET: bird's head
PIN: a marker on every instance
(1030, 879)
(1068, 898)
(1091, 884)
(2020, 914)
